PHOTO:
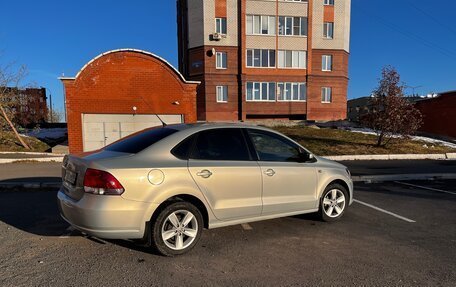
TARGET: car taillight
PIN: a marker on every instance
(102, 183)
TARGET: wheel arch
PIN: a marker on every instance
(198, 203)
(340, 182)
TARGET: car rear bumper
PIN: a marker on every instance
(109, 217)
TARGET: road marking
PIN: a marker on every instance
(67, 232)
(246, 226)
(384, 211)
(425, 187)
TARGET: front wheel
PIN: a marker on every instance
(176, 229)
(333, 202)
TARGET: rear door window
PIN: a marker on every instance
(141, 140)
(221, 144)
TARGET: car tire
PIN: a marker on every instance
(176, 229)
(333, 202)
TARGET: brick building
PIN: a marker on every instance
(120, 92)
(438, 115)
(29, 105)
(266, 58)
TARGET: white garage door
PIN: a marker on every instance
(100, 130)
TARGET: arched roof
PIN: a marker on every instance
(135, 51)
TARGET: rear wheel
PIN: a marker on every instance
(333, 202)
(176, 229)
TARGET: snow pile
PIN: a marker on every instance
(415, 138)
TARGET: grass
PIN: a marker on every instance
(327, 142)
(9, 142)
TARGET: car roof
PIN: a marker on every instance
(211, 125)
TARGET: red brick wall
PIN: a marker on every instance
(337, 79)
(438, 115)
(115, 82)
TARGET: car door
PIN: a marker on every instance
(289, 184)
(226, 173)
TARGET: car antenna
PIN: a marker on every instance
(163, 123)
(147, 103)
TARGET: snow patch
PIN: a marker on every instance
(415, 138)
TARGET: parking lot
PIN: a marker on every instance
(395, 234)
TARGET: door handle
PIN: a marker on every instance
(269, 172)
(204, 173)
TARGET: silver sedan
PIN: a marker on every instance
(165, 184)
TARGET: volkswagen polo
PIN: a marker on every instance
(166, 184)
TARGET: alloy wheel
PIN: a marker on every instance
(179, 229)
(334, 203)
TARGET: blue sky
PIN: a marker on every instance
(54, 37)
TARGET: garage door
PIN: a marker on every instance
(100, 130)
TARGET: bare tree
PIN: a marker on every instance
(390, 113)
(9, 82)
(54, 116)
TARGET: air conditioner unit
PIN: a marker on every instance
(217, 36)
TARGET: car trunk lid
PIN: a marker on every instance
(74, 168)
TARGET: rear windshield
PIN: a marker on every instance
(141, 140)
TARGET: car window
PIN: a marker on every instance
(221, 144)
(182, 150)
(272, 147)
(141, 140)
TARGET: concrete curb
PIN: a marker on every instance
(392, 157)
(40, 159)
(399, 177)
(33, 153)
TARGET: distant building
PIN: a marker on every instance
(356, 108)
(260, 59)
(439, 114)
(29, 105)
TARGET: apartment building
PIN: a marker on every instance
(266, 59)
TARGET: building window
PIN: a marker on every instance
(220, 25)
(261, 92)
(261, 25)
(291, 92)
(326, 95)
(222, 94)
(292, 59)
(260, 58)
(221, 59)
(329, 2)
(328, 30)
(326, 63)
(292, 26)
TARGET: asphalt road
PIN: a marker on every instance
(409, 240)
(378, 167)
(35, 172)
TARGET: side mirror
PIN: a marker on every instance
(306, 157)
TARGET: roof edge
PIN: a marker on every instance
(135, 51)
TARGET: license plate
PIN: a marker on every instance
(70, 176)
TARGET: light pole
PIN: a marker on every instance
(50, 118)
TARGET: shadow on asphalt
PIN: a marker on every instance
(32, 180)
(34, 212)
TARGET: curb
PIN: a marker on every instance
(399, 177)
(392, 157)
(33, 153)
(39, 159)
